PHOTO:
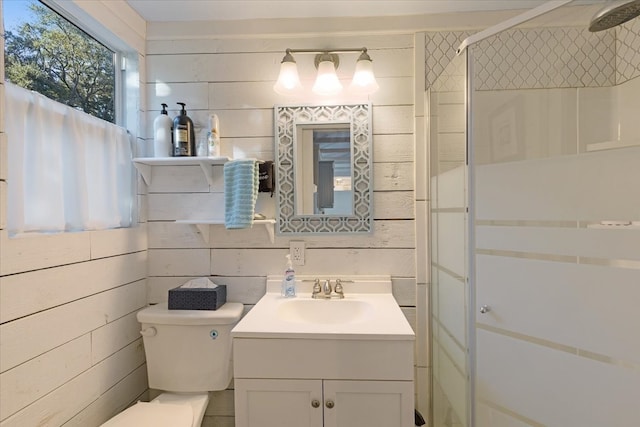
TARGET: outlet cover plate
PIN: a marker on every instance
(296, 249)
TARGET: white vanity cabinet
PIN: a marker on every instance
(308, 362)
(328, 382)
(323, 403)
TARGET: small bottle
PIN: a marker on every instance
(162, 134)
(184, 134)
(213, 138)
(289, 281)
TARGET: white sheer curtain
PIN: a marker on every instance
(68, 170)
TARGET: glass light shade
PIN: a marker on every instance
(364, 81)
(288, 81)
(327, 82)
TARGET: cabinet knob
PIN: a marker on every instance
(485, 309)
(329, 404)
(315, 403)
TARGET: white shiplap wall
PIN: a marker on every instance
(70, 350)
(233, 77)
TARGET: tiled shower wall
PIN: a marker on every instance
(628, 51)
(518, 60)
(556, 57)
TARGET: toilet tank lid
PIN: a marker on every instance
(160, 314)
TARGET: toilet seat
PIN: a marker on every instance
(153, 414)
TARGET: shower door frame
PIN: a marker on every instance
(471, 242)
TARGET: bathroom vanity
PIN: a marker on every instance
(305, 362)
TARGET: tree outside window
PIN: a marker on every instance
(52, 56)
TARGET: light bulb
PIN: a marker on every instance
(364, 81)
(327, 82)
(288, 81)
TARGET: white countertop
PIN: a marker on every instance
(379, 316)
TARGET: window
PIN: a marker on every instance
(69, 165)
(46, 53)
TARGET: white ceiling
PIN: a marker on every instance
(214, 10)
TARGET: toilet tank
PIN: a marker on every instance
(189, 350)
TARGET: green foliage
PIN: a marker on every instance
(55, 58)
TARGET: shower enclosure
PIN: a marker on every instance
(535, 227)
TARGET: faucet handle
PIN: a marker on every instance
(338, 288)
(316, 287)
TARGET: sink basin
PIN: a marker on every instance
(350, 341)
(325, 311)
(368, 312)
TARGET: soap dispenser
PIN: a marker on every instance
(289, 281)
(184, 134)
(162, 145)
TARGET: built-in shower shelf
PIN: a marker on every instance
(203, 226)
(632, 226)
(609, 145)
(144, 164)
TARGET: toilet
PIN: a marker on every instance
(188, 354)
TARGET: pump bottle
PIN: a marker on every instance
(213, 137)
(162, 134)
(184, 134)
(289, 281)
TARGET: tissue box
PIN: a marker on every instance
(197, 298)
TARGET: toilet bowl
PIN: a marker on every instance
(188, 354)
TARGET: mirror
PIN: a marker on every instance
(323, 163)
(322, 169)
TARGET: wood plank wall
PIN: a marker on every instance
(233, 78)
(70, 342)
(71, 352)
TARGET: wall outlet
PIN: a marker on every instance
(296, 249)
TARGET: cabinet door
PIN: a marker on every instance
(368, 404)
(278, 403)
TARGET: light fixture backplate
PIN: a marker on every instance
(334, 58)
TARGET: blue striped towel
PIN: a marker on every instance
(240, 192)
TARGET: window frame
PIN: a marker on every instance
(119, 69)
(119, 62)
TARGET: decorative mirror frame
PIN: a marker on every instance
(286, 119)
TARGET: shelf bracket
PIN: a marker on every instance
(207, 169)
(145, 171)
(204, 231)
(269, 226)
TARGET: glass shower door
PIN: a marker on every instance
(555, 167)
(449, 246)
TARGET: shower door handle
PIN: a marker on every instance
(484, 309)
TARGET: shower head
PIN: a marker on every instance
(614, 13)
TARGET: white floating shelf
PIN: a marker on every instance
(203, 225)
(143, 164)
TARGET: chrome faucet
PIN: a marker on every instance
(325, 291)
(326, 288)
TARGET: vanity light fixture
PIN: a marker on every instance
(288, 80)
(327, 82)
(364, 80)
